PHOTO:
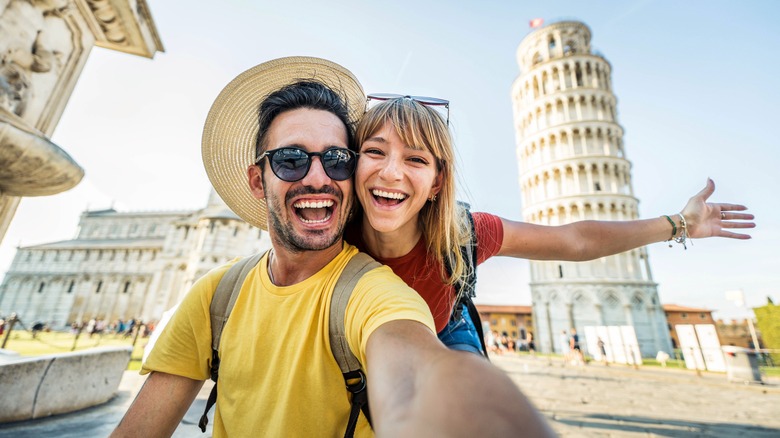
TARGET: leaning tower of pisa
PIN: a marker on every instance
(573, 167)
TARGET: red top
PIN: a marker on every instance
(418, 268)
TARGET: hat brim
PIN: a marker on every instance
(230, 132)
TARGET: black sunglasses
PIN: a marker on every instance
(423, 100)
(292, 164)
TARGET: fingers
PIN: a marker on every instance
(707, 191)
(729, 216)
(738, 225)
(730, 235)
(731, 207)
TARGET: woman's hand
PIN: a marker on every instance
(707, 219)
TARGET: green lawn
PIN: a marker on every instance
(671, 363)
(22, 342)
(770, 371)
(676, 363)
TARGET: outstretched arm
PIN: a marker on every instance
(420, 388)
(159, 406)
(588, 240)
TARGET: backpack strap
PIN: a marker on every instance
(222, 304)
(354, 377)
(225, 297)
(466, 288)
(469, 252)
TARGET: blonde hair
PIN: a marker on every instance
(444, 224)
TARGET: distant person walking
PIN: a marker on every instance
(574, 347)
(603, 350)
(564, 345)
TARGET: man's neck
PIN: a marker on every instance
(292, 267)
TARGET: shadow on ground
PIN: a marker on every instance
(603, 423)
(99, 421)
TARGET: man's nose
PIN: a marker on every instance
(316, 177)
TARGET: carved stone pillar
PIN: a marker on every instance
(43, 48)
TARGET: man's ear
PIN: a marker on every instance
(255, 176)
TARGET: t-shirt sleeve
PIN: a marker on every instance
(490, 235)
(184, 346)
(380, 297)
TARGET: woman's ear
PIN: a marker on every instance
(437, 183)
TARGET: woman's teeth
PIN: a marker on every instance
(388, 195)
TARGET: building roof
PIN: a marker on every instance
(678, 308)
(101, 244)
(496, 308)
(140, 213)
(222, 213)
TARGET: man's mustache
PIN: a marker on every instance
(305, 190)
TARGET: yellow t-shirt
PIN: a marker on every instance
(277, 375)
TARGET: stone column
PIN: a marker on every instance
(651, 311)
(629, 315)
(44, 45)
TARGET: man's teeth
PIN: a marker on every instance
(307, 221)
(388, 195)
(313, 204)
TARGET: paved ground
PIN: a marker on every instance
(586, 401)
(618, 401)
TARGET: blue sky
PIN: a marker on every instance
(696, 84)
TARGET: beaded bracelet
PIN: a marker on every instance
(683, 232)
(674, 228)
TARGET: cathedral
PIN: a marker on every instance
(124, 265)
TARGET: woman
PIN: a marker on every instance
(411, 222)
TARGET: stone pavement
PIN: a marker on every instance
(585, 401)
(619, 401)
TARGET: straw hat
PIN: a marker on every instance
(230, 133)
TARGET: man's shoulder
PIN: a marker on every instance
(208, 282)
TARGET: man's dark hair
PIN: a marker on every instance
(303, 94)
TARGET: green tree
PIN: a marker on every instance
(769, 323)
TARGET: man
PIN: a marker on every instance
(277, 374)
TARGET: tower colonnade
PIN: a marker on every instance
(573, 166)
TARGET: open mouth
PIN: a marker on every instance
(388, 198)
(314, 212)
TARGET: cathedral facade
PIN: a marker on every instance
(573, 166)
(124, 265)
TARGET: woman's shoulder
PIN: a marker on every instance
(489, 234)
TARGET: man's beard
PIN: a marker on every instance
(315, 240)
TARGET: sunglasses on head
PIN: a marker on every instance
(423, 100)
(291, 164)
